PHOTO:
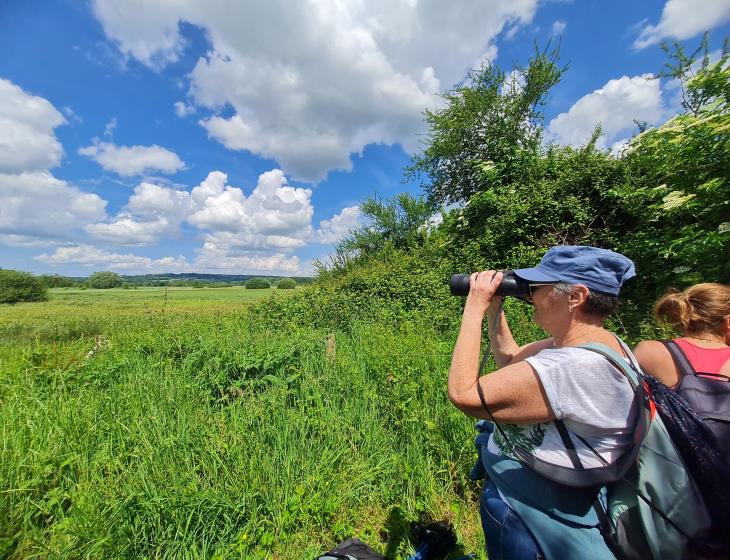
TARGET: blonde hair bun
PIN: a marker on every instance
(699, 308)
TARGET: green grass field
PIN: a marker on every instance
(174, 423)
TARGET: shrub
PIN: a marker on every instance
(18, 286)
(104, 280)
(56, 281)
(287, 284)
(258, 284)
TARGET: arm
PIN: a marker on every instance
(656, 360)
(514, 393)
(506, 351)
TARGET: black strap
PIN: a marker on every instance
(480, 392)
(604, 524)
(684, 366)
(483, 363)
(569, 445)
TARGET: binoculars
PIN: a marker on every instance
(510, 285)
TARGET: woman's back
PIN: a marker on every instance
(706, 359)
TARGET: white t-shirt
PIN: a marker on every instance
(590, 396)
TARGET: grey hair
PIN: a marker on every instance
(597, 304)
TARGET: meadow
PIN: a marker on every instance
(196, 423)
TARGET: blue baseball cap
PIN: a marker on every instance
(600, 270)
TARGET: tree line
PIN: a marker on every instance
(17, 286)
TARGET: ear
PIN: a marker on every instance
(578, 297)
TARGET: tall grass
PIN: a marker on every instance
(199, 430)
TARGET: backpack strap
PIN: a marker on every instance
(627, 367)
(569, 445)
(684, 366)
(604, 524)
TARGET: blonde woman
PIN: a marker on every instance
(697, 363)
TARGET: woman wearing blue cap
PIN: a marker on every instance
(573, 289)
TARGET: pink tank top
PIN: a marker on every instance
(705, 360)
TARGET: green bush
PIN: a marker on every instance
(56, 281)
(258, 284)
(18, 286)
(287, 284)
(104, 280)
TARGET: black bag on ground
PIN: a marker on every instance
(351, 549)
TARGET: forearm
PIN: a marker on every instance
(503, 345)
(465, 360)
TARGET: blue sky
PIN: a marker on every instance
(240, 137)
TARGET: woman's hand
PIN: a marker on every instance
(482, 286)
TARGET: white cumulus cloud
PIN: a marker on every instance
(338, 226)
(614, 106)
(313, 82)
(152, 212)
(150, 200)
(209, 259)
(27, 141)
(682, 19)
(37, 208)
(37, 205)
(133, 160)
(223, 259)
(559, 27)
(90, 256)
(273, 208)
(126, 230)
(183, 110)
(275, 216)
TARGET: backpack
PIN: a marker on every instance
(707, 393)
(653, 507)
(654, 510)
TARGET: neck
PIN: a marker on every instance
(578, 333)
(706, 337)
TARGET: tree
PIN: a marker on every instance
(258, 284)
(18, 286)
(569, 200)
(489, 132)
(104, 280)
(286, 284)
(679, 180)
(56, 281)
(400, 221)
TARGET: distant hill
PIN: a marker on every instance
(186, 278)
(170, 279)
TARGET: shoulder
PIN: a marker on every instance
(651, 352)
(571, 366)
(571, 355)
(655, 359)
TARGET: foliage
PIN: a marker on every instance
(104, 280)
(207, 429)
(489, 133)
(57, 281)
(678, 186)
(258, 284)
(568, 201)
(400, 222)
(286, 284)
(18, 286)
